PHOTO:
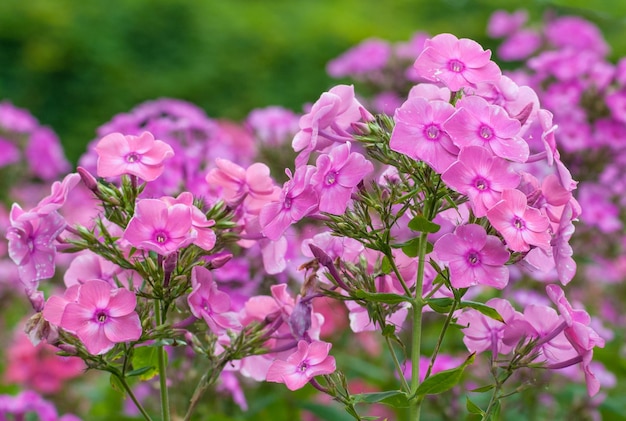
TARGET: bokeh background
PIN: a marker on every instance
(75, 64)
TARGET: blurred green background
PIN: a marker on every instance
(76, 64)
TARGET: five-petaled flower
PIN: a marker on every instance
(141, 156)
(310, 360)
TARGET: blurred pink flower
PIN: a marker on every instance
(308, 361)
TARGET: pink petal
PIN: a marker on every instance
(95, 294)
(122, 302)
(123, 329)
(74, 317)
(93, 336)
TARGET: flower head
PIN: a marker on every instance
(308, 361)
(141, 156)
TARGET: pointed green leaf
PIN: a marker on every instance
(393, 398)
(116, 383)
(483, 389)
(472, 407)
(410, 248)
(381, 297)
(421, 224)
(440, 305)
(385, 266)
(443, 380)
(484, 309)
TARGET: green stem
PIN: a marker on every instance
(162, 366)
(441, 336)
(418, 306)
(132, 396)
(405, 385)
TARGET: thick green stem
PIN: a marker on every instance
(418, 306)
(162, 366)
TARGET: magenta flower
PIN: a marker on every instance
(481, 176)
(31, 244)
(159, 227)
(102, 316)
(457, 63)
(473, 257)
(478, 123)
(520, 225)
(297, 200)
(419, 132)
(482, 333)
(253, 183)
(141, 156)
(308, 361)
(208, 303)
(338, 173)
(58, 195)
(200, 226)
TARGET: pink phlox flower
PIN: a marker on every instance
(520, 45)
(9, 152)
(31, 244)
(201, 227)
(419, 132)
(297, 200)
(28, 404)
(274, 254)
(44, 154)
(577, 33)
(89, 266)
(520, 225)
(482, 333)
(58, 195)
(101, 316)
(238, 183)
(14, 119)
(600, 208)
(141, 156)
(502, 23)
(273, 125)
(473, 257)
(55, 306)
(310, 360)
(457, 63)
(368, 56)
(481, 176)
(337, 174)
(208, 303)
(429, 92)
(348, 249)
(161, 228)
(478, 123)
(329, 120)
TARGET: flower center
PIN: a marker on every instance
(302, 367)
(331, 178)
(485, 132)
(456, 66)
(481, 184)
(160, 237)
(432, 132)
(473, 258)
(519, 223)
(132, 157)
(101, 316)
(287, 203)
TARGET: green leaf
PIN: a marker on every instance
(381, 297)
(145, 362)
(410, 248)
(443, 380)
(472, 407)
(484, 309)
(385, 266)
(116, 383)
(421, 224)
(483, 389)
(393, 398)
(440, 305)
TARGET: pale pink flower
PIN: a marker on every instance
(31, 244)
(88, 266)
(520, 225)
(158, 227)
(200, 226)
(208, 303)
(253, 183)
(457, 63)
(473, 257)
(476, 122)
(368, 56)
(44, 154)
(58, 195)
(308, 361)
(502, 23)
(102, 316)
(338, 173)
(297, 200)
(481, 176)
(273, 125)
(419, 132)
(141, 156)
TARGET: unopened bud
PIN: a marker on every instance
(220, 261)
(88, 179)
(38, 329)
(525, 113)
(300, 318)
